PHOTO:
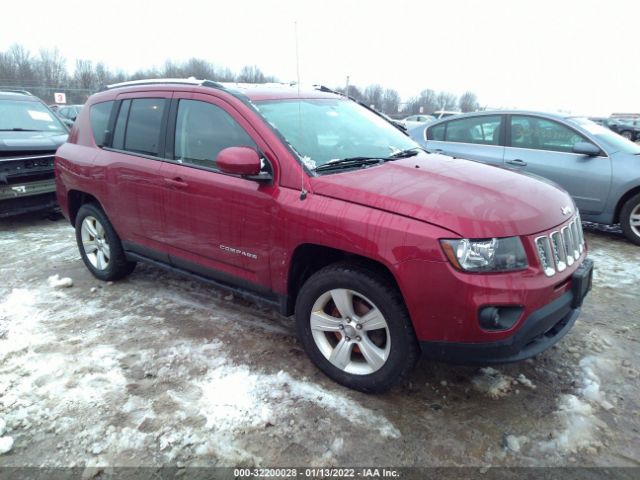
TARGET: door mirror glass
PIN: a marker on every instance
(586, 148)
(239, 161)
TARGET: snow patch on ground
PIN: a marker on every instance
(495, 384)
(580, 428)
(619, 272)
(56, 282)
(177, 397)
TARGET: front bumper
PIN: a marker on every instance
(541, 330)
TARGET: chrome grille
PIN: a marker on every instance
(561, 248)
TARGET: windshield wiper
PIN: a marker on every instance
(409, 152)
(349, 163)
(363, 161)
(18, 129)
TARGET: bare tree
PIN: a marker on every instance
(52, 68)
(373, 96)
(390, 101)
(251, 74)
(447, 101)
(468, 102)
(84, 76)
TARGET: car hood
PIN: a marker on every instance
(471, 199)
(31, 141)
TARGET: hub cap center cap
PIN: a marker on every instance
(349, 331)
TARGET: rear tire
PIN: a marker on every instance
(630, 219)
(100, 247)
(355, 327)
(627, 134)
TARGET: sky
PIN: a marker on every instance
(581, 57)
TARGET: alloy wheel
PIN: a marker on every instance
(350, 331)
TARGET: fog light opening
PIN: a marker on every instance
(495, 318)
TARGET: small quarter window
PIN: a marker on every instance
(436, 132)
(100, 113)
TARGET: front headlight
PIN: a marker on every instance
(486, 255)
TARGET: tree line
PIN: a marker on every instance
(46, 72)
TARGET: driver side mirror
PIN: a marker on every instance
(242, 161)
(586, 148)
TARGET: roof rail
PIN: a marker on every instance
(160, 81)
(13, 90)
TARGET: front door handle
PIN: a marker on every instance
(517, 162)
(176, 182)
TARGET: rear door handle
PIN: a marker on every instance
(517, 162)
(176, 182)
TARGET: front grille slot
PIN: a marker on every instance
(561, 248)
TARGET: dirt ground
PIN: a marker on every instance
(160, 370)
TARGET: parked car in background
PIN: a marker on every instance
(599, 168)
(30, 134)
(415, 120)
(627, 128)
(69, 111)
(438, 114)
(320, 207)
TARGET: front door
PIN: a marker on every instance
(544, 147)
(216, 224)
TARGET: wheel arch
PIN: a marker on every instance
(623, 200)
(308, 258)
(76, 199)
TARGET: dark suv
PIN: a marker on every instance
(29, 137)
(320, 207)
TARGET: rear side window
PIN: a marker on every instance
(100, 113)
(481, 130)
(436, 132)
(139, 124)
(203, 130)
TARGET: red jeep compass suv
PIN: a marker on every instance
(321, 207)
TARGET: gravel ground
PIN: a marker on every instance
(159, 370)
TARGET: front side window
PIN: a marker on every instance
(203, 130)
(322, 130)
(542, 134)
(141, 132)
(99, 115)
(483, 130)
(24, 115)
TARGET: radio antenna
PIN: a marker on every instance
(303, 192)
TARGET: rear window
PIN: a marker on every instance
(100, 113)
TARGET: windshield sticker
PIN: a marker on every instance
(309, 163)
(35, 115)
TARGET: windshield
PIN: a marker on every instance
(322, 130)
(615, 141)
(21, 115)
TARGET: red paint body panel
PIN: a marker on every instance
(394, 214)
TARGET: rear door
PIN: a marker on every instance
(132, 164)
(476, 138)
(544, 147)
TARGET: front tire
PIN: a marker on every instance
(630, 219)
(355, 327)
(627, 134)
(100, 247)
